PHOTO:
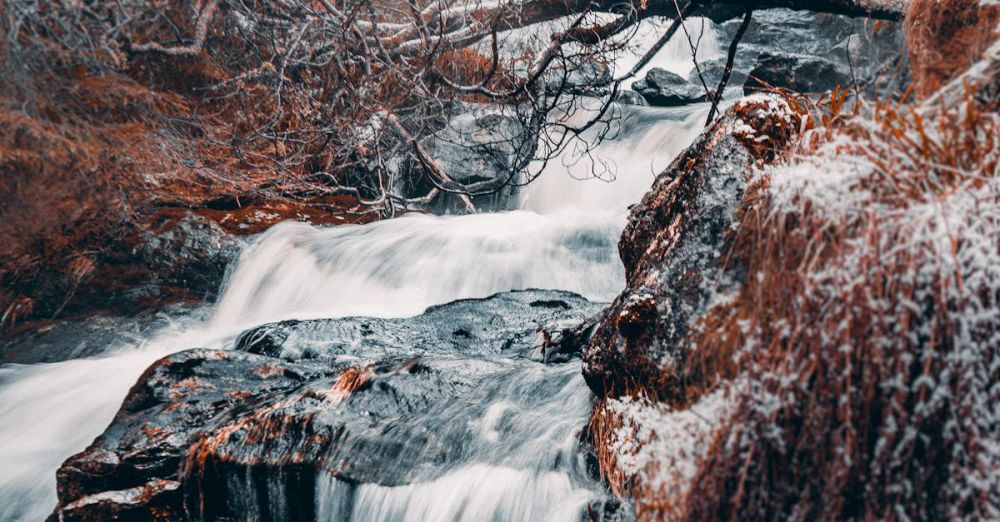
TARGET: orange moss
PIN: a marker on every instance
(352, 380)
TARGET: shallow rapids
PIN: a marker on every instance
(564, 237)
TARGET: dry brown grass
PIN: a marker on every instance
(945, 37)
(863, 343)
(91, 165)
(93, 153)
(64, 186)
(867, 326)
(601, 430)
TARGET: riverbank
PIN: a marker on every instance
(812, 334)
(121, 187)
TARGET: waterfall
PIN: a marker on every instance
(564, 236)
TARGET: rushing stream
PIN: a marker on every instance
(526, 420)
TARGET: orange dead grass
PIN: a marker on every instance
(89, 161)
(862, 343)
(601, 432)
(870, 348)
(835, 310)
(945, 37)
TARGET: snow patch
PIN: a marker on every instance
(661, 445)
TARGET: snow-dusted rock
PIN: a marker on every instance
(672, 245)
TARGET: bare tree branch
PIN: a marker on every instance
(204, 19)
(304, 87)
(730, 57)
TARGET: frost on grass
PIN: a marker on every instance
(659, 447)
(867, 332)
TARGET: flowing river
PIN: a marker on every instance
(522, 466)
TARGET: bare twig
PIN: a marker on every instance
(730, 57)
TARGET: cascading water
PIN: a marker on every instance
(524, 459)
(524, 462)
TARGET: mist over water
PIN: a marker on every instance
(564, 237)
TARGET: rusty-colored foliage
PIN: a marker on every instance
(863, 391)
(352, 380)
(945, 37)
(601, 430)
(98, 144)
(864, 359)
(296, 108)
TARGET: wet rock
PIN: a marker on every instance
(663, 88)
(267, 339)
(177, 260)
(504, 323)
(180, 259)
(586, 77)
(210, 435)
(190, 253)
(842, 41)
(671, 250)
(790, 31)
(799, 73)
(476, 150)
(127, 472)
(58, 341)
(630, 97)
(713, 70)
(55, 341)
(564, 340)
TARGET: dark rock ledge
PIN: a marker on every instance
(209, 435)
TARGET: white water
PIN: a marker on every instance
(564, 237)
(525, 464)
(495, 493)
(675, 56)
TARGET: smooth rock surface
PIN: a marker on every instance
(843, 42)
(799, 73)
(630, 97)
(474, 149)
(663, 88)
